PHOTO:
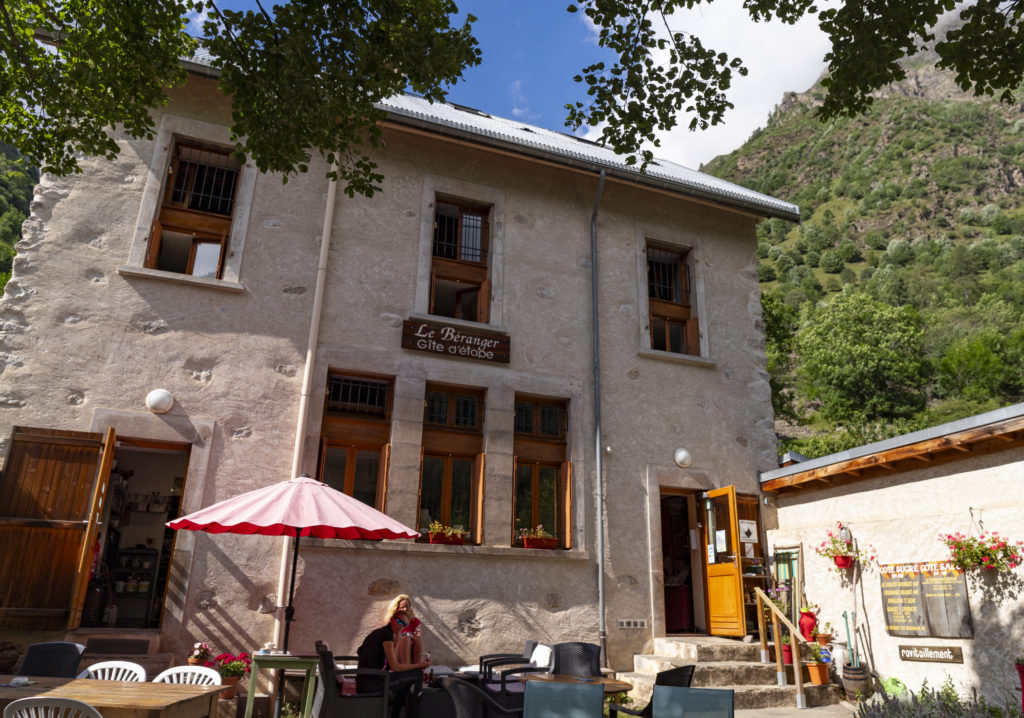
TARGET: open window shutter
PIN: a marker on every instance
(382, 478)
(223, 253)
(693, 336)
(47, 496)
(515, 495)
(565, 495)
(483, 302)
(153, 250)
(477, 508)
(433, 283)
(85, 558)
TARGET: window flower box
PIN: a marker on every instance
(535, 542)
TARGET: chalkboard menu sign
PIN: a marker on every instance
(926, 599)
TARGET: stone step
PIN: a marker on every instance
(766, 695)
(706, 649)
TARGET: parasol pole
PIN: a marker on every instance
(289, 614)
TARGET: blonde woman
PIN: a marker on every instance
(409, 641)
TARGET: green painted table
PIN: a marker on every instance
(289, 662)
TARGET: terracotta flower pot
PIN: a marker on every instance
(231, 686)
(540, 542)
(195, 661)
(818, 673)
(823, 639)
(843, 561)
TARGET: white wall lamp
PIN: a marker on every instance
(682, 458)
(159, 401)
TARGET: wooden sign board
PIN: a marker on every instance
(932, 654)
(455, 341)
(926, 599)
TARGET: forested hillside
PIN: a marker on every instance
(17, 180)
(898, 302)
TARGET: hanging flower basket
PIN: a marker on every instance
(843, 561)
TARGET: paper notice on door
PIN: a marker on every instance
(711, 553)
(748, 550)
(721, 542)
(748, 531)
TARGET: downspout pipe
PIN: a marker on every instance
(598, 468)
(283, 584)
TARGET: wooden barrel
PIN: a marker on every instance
(856, 681)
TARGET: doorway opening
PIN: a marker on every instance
(132, 555)
(676, 543)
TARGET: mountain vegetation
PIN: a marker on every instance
(17, 179)
(898, 301)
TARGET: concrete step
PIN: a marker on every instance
(766, 695)
(706, 648)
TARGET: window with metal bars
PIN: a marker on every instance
(459, 286)
(673, 318)
(354, 396)
(190, 235)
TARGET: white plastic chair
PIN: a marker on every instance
(196, 675)
(114, 671)
(44, 707)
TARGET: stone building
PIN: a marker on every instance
(452, 379)
(914, 615)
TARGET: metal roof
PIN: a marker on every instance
(1013, 411)
(559, 147)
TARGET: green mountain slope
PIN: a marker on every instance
(917, 206)
(17, 180)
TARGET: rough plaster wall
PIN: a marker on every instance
(902, 517)
(79, 336)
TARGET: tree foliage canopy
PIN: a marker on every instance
(304, 76)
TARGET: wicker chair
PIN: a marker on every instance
(54, 659)
(680, 677)
(330, 702)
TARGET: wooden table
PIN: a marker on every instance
(122, 699)
(610, 685)
(307, 662)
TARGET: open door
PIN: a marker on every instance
(720, 533)
(51, 496)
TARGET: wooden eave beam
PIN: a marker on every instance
(922, 451)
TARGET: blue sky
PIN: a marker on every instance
(532, 48)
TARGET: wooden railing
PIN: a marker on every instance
(795, 639)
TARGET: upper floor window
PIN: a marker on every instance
(459, 284)
(453, 409)
(190, 234)
(540, 419)
(354, 448)
(673, 318)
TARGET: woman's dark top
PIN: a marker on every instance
(371, 655)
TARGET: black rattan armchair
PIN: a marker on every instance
(330, 702)
(470, 701)
(679, 677)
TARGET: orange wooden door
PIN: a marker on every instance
(51, 495)
(720, 531)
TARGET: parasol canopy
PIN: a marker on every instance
(298, 507)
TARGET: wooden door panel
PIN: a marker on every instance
(726, 613)
(47, 494)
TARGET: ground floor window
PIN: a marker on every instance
(354, 471)
(450, 489)
(537, 496)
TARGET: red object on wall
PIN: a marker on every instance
(843, 561)
(1020, 675)
(787, 653)
(807, 623)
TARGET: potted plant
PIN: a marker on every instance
(988, 552)
(839, 547)
(824, 636)
(808, 621)
(200, 654)
(440, 533)
(816, 666)
(537, 537)
(231, 668)
(1019, 665)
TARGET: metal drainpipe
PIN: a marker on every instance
(307, 381)
(602, 626)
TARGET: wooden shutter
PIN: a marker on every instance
(382, 478)
(433, 282)
(565, 526)
(52, 487)
(693, 336)
(153, 250)
(483, 302)
(476, 516)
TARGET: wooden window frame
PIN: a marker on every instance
(204, 226)
(538, 405)
(680, 313)
(453, 393)
(472, 274)
(476, 491)
(533, 447)
(348, 483)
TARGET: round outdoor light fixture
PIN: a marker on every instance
(682, 458)
(159, 401)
